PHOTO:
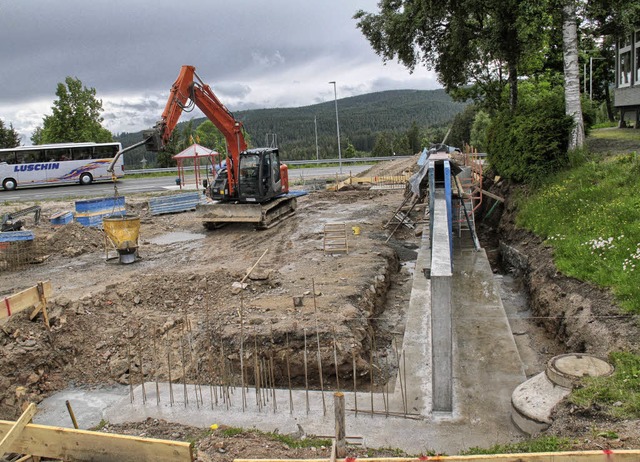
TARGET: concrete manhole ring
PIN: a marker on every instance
(567, 370)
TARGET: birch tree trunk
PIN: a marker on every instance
(572, 74)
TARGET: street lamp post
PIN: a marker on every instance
(335, 96)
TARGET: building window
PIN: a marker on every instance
(625, 65)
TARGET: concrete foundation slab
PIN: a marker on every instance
(486, 370)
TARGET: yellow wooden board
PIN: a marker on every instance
(17, 428)
(22, 300)
(628, 455)
(71, 444)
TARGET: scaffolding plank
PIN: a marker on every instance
(72, 444)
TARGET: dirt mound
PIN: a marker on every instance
(73, 239)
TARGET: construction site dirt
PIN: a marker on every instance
(183, 303)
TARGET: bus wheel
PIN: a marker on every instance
(9, 184)
(86, 178)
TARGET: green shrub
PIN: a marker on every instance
(528, 144)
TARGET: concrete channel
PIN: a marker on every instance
(485, 368)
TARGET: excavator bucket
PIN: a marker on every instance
(152, 142)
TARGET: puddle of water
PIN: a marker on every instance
(172, 238)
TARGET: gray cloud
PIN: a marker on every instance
(252, 53)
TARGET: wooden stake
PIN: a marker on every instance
(341, 441)
(71, 414)
(253, 267)
(43, 304)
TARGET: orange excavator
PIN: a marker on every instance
(253, 187)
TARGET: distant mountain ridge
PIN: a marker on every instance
(362, 118)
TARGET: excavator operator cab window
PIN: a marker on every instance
(266, 173)
(275, 166)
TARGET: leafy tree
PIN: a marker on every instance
(478, 137)
(383, 145)
(9, 137)
(76, 116)
(531, 142)
(464, 41)
(210, 137)
(350, 151)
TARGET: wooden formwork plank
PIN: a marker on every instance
(23, 300)
(14, 432)
(622, 455)
(72, 444)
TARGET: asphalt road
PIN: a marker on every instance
(138, 185)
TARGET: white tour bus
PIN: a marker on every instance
(53, 164)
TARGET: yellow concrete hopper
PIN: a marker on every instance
(123, 232)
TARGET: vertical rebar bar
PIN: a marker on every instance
(184, 373)
(169, 369)
(315, 311)
(131, 397)
(155, 366)
(306, 374)
(244, 391)
(355, 379)
(144, 391)
(335, 360)
(289, 376)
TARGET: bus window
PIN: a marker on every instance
(30, 157)
(105, 151)
(82, 153)
(57, 155)
(7, 157)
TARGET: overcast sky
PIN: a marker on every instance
(254, 54)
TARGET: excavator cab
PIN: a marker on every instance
(259, 178)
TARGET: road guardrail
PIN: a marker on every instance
(289, 162)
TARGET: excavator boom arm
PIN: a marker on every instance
(189, 88)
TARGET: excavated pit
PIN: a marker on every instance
(175, 315)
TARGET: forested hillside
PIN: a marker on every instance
(373, 124)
